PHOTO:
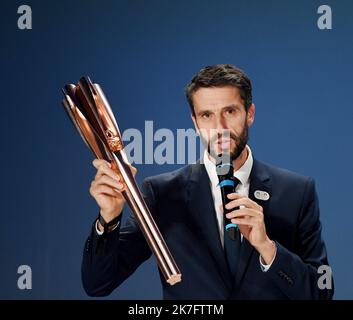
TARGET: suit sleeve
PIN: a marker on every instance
(296, 274)
(110, 259)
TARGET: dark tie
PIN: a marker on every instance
(232, 247)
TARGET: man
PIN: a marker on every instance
(277, 213)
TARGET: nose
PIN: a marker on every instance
(221, 123)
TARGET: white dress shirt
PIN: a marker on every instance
(243, 175)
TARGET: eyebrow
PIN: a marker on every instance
(226, 107)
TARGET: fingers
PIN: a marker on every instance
(245, 212)
(235, 196)
(248, 220)
(103, 189)
(113, 183)
(106, 180)
(98, 162)
(104, 168)
(241, 200)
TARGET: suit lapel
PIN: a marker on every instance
(201, 207)
(259, 180)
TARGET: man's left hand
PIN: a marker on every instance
(250, 220)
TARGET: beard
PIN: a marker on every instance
(240, 142)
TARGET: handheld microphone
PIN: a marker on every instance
(227, 183)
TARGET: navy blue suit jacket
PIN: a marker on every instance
(182, 206)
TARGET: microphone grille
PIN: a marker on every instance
(224, 165)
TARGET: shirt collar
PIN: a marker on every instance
(243, 173)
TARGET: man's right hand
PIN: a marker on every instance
(106, 189)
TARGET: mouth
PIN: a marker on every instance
(223, 144)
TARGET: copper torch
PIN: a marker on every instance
(92, 116)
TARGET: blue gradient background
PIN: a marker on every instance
(143, 53)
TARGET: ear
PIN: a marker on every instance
(195, 123)
(251, 115)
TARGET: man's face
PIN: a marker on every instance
(221, 119)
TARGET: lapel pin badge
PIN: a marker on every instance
(261, 195)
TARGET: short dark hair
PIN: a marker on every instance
(220, 75)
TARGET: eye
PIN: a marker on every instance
(230, 112)
(205, 115)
